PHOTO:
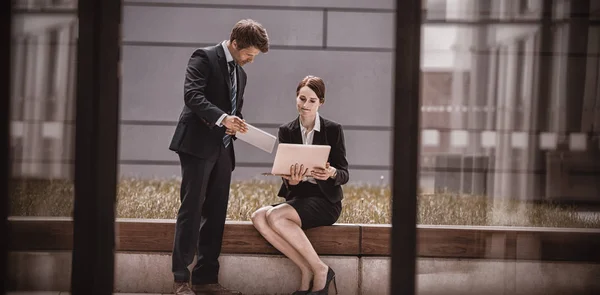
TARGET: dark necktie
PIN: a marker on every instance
(232, 66)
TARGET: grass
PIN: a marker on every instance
(365, 204)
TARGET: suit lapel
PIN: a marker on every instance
(319, 136)
(296, 132)
(224, 69)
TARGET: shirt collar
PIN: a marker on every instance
(317, 126)
(228, 55)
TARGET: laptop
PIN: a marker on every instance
(289, 154)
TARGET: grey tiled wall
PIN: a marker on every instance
(209, 25)
(347, 43)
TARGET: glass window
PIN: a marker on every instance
(522, 150)
(42, 133)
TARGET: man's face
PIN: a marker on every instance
(244, 56)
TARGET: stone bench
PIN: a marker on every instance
(466, 259)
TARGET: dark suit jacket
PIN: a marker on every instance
(207, 95)
(331, 134)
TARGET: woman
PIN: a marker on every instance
(313, 195)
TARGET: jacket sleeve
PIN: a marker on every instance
(196, 78)
(338, 159)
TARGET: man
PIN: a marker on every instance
(203, 139)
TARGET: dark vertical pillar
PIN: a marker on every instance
(96, 146)
(406, 146)
(5, 38)
(577, 62)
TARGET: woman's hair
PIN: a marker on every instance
(316, 84)
(247, 33)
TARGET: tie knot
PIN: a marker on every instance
(231, 67)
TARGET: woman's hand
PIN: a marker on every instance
(323, 173)
(296, 174)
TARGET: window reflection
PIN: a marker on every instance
(510, 140)
(42, 114)
(515, 121)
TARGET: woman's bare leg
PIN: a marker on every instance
(284, 220)
(259, 219)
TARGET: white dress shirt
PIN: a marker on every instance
(307, 138)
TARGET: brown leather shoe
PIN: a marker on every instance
(182, 288)
(216, 289)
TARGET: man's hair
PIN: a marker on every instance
(316, 84)
(248, 33)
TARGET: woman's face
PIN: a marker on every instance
(307, 102)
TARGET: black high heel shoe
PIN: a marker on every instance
(304, 292)
(325, 291)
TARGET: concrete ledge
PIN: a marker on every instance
(151, 273)
(275, 274)
(142, 235)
